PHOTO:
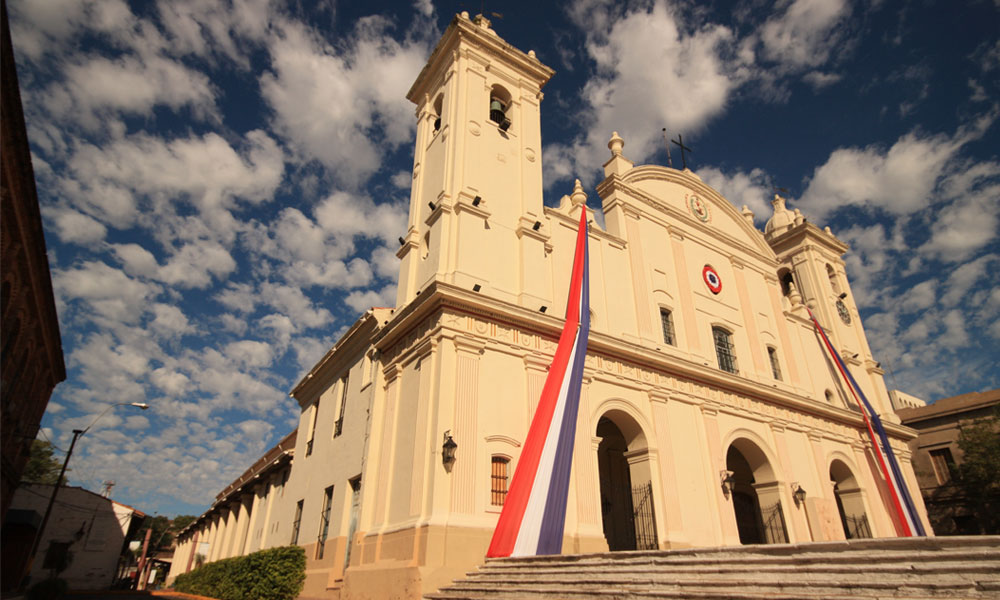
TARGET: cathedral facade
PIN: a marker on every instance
(710, 414)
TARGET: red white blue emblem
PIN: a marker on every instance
(711, 279)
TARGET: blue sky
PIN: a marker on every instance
(222, 185)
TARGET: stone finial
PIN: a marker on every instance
(482, 21)
(799, 219)
(578, 197)
(747, 214)
(616, 144)
(531, 53)
(827, 229)
(793, 294)
(465, 15)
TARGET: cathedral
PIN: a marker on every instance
(710, 413)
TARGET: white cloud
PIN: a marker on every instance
(250, 353)
(343, 109)
(962, 279)
(361, 301)
(194, 265)
(820, 80)
(128, 85)
(170, 321)
(294, 304)
(73, 227)
(136, 260)
(109, 181)
(750, 189)
(806, 33)
(109, 292)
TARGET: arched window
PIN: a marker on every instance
(772, 353)
(438, 104)
(725, 350)
(500, 101)
(667, 324)
(785, 276)
(498, 480)
(834, 283)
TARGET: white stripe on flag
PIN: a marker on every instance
(531, 523)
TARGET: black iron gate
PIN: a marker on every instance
(857, 527)
(773, 520)
(644, 517)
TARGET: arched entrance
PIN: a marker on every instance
(626, 487)
(755, 495)
(850, 503)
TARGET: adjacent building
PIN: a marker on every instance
(31, 358)
(709, 413)
(83, 543)
(937, 455)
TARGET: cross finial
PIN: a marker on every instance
(680, 142)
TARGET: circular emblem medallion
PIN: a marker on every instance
(845, 316)
(699, 208)
(711, 279)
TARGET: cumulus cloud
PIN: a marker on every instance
(343, 109)
(750, 189)
(805, 33)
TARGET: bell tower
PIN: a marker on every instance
(476, 213)
(813, 273)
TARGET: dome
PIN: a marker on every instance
(782, 218)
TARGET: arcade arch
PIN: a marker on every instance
(755, 493)
(627, 508)
(850, 501)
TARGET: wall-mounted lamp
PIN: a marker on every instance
(536, 226)
(843, 295)
(476, 201)
(799, 494)
(401, 240)
(448, 449)
(476, 287)
(543, 308)
(727, 482)
(432, 205)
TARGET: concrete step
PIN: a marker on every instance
(938, 568)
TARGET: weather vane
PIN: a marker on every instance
(680, 142)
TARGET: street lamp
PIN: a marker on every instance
(55, 489)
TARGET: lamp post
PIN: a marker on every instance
(55, 489)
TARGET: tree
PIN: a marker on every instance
(180, 522)
(979, 472)
(42, 467)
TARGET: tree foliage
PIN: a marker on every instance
(979, 472)
(42, 466)
(275, 574)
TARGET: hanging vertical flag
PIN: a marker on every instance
(534, 512)
(902, 502)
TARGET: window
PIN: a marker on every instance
(772, 353)
(324, 522)
(437, 112)
(834, 284)
(724, 349)
(498, 481)
(312, 427)
(338, 427)
(297, 522)
(667, 323)
(944, 465)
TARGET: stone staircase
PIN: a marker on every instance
(914, 568)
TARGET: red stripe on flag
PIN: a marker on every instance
(509, 524)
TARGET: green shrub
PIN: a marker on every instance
(47, 589)
(275, 574)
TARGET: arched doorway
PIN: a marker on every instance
(627, 510)
(850, 503)
(755, 495)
